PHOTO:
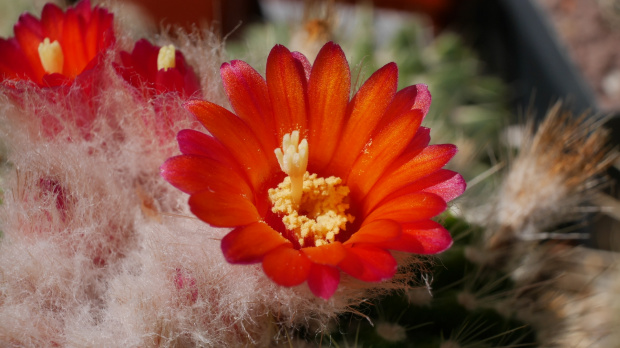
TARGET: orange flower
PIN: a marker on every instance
(159, 69)
(54, 50)
(353, 179)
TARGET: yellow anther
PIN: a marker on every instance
(293, 160)
(51, 56)
(321, 214)
(166, 58)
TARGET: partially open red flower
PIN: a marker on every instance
(58, 47)
(157, 70)
(353, 179)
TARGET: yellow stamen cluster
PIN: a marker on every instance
(313, 208)
(166, 58)
(51, 56)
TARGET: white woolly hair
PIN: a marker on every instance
(98, 250)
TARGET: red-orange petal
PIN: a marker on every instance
(430, 160)
(419, 142)
(328, 94)
(386, 145)
(249, 96)
(403, 101)
(104, 27)
(369, 263)
(450, 188)
(305, 63)
(330, 254)
(82, 8)
(410, 207)
(52, 19)
(72, 43)
(323, 280)
(286, 266)
(95, 27)
(12, 61)
(409, 98)
(29, 34)
(286, 82)
(250, 243)
(423, 237)
(423, 99)
(223, 209)
(192, 174)
(377, 231)
(363, 114)
(427, 161)
(444, 183)
(237, 137)
(192, 142)
(416, 97)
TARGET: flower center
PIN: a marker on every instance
(314, 208)
(166, 58)
(51, 56)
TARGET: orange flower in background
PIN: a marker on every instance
(158, 69)
(58, 47)
(160, 75)
(313, 183)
